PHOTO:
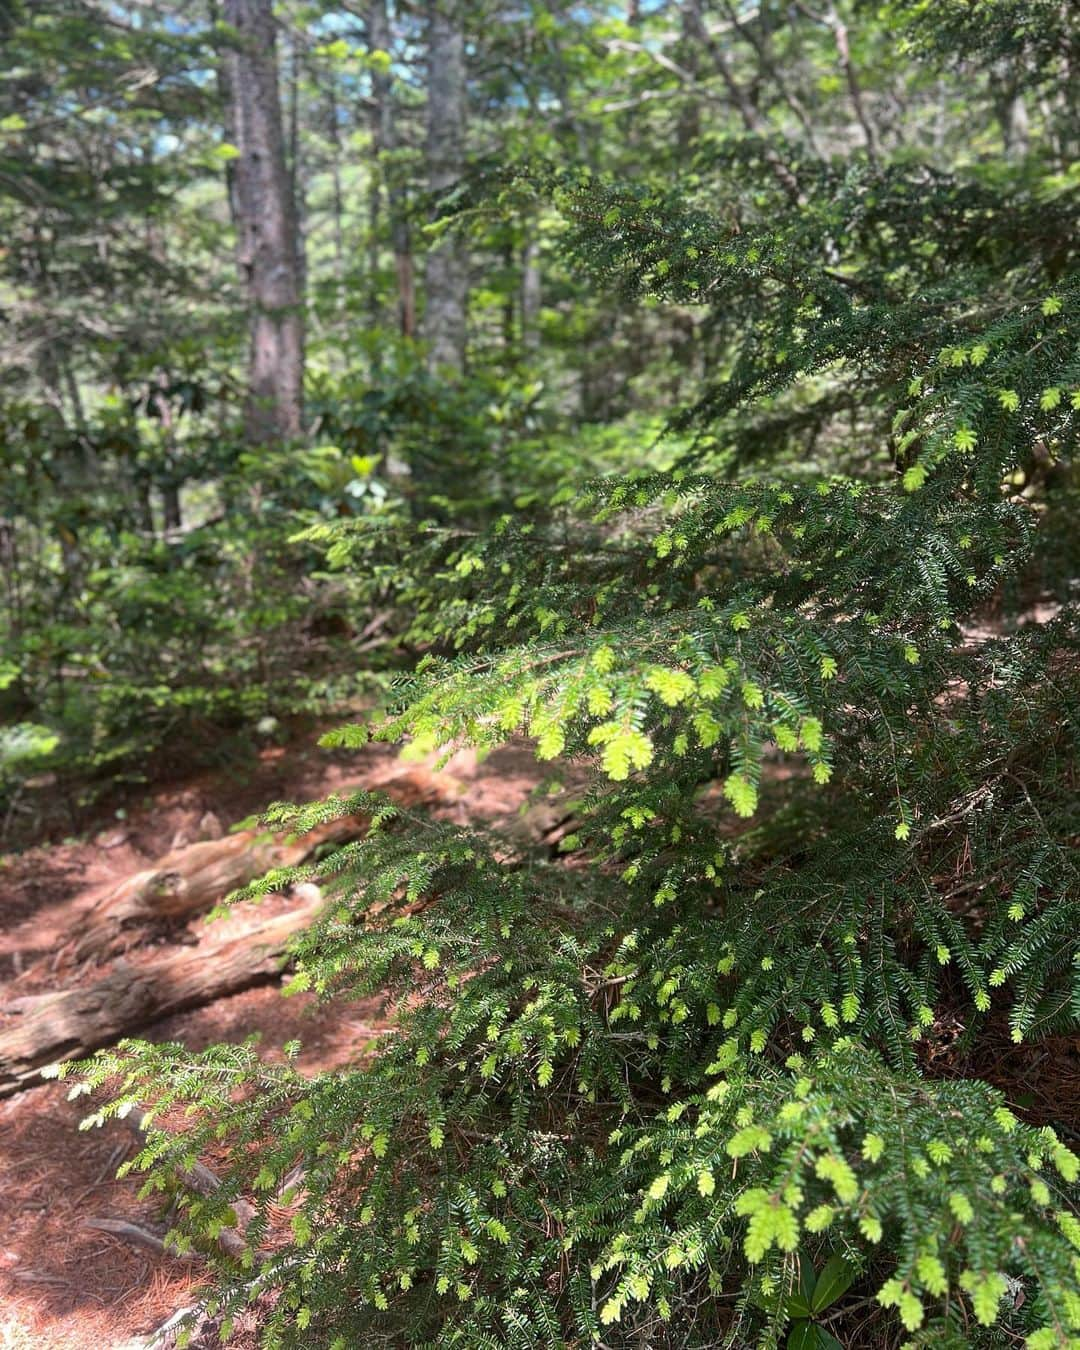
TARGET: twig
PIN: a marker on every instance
(141, 1237)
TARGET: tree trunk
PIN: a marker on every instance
(1013, 119)
(530, 292)
(447, 270)
(170, 504)
(144, 505)
(385, 136)
(295, 165)
(266, 238)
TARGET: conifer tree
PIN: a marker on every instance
(675, 1087)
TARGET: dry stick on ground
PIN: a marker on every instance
(198, 1178)
(201, 1330)
(141, 1237)
(72, 1022)
(203, 1181)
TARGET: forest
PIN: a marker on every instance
(540, 674)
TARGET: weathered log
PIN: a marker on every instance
(189, 880)
(72, 1022)
(68, 1024)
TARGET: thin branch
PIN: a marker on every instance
(752, 119)
(831, 19)
(770, 68)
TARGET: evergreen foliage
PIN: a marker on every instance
(787, 605)
(664, 1089)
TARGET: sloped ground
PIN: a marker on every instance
(63, 1285)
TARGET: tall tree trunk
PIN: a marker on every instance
(294, 162)
(531, 283)
(447, 270)
(170, 486)
(1012, 113)
(386, 143)
(144, 505)
(337, 195)
(170, 503)
(267, 236)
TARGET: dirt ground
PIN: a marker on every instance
(67, 1286)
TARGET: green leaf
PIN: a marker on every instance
(659, 1187)
(742, 794)
(986, 1290)
(836, 1278)
(629, 750)
(670, 686)
(803, 1336)
(914, 477)
(797, 1303)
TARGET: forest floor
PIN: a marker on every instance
(66, 1286)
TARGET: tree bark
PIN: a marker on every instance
(192, 879)
(170, 502)
(531, 285)
(1012, 117)
(267, 245)
(72, 1022)
(384, 131)
(447, 269)
(337, 195)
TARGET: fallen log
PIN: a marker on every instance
(189, 880)
(71, 1023)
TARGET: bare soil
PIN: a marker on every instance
(65, 1286)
